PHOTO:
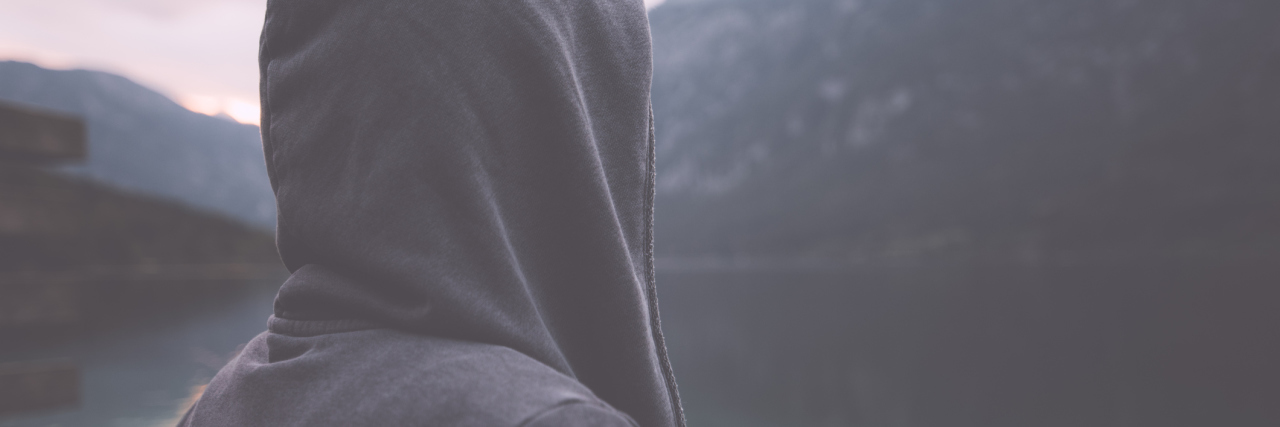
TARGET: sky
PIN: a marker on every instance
(201, 53)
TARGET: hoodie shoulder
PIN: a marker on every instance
(383, 377)
(580, 414)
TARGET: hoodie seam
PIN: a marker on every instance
(312, 328)
(569, 402)
(655, 324)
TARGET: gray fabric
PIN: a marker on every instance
(465, 200)
(578, 414)
(389, 378)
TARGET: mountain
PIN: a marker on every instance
(143, 142)
(1041, 212)
(850, 130)
(59, 224)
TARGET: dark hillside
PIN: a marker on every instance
(77, 254)
(857, 130)
(983, 213)
(65, 223)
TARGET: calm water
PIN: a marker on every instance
(142, 366)
(1133, 344)
(1138, 345)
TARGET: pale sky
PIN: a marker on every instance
(201, 53)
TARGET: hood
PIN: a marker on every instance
(473, 170)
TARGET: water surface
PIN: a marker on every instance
(946, 345)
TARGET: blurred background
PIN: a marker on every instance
(870, 212)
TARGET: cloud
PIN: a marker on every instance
(201, 53)
(192, 50)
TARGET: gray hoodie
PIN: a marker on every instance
(465, 192)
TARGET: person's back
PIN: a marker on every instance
(465, 199)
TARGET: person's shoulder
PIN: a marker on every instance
(454, 382)
(385, 377)
(579, 414)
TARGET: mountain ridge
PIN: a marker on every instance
(143, 142)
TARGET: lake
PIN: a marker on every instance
(1094, 344)
(141, 364)
(1138, 343)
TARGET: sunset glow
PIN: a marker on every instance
(200, 53)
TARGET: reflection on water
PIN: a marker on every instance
(145, 366)
(959, 345)
(1155, 344)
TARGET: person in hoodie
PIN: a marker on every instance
(465, 193)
